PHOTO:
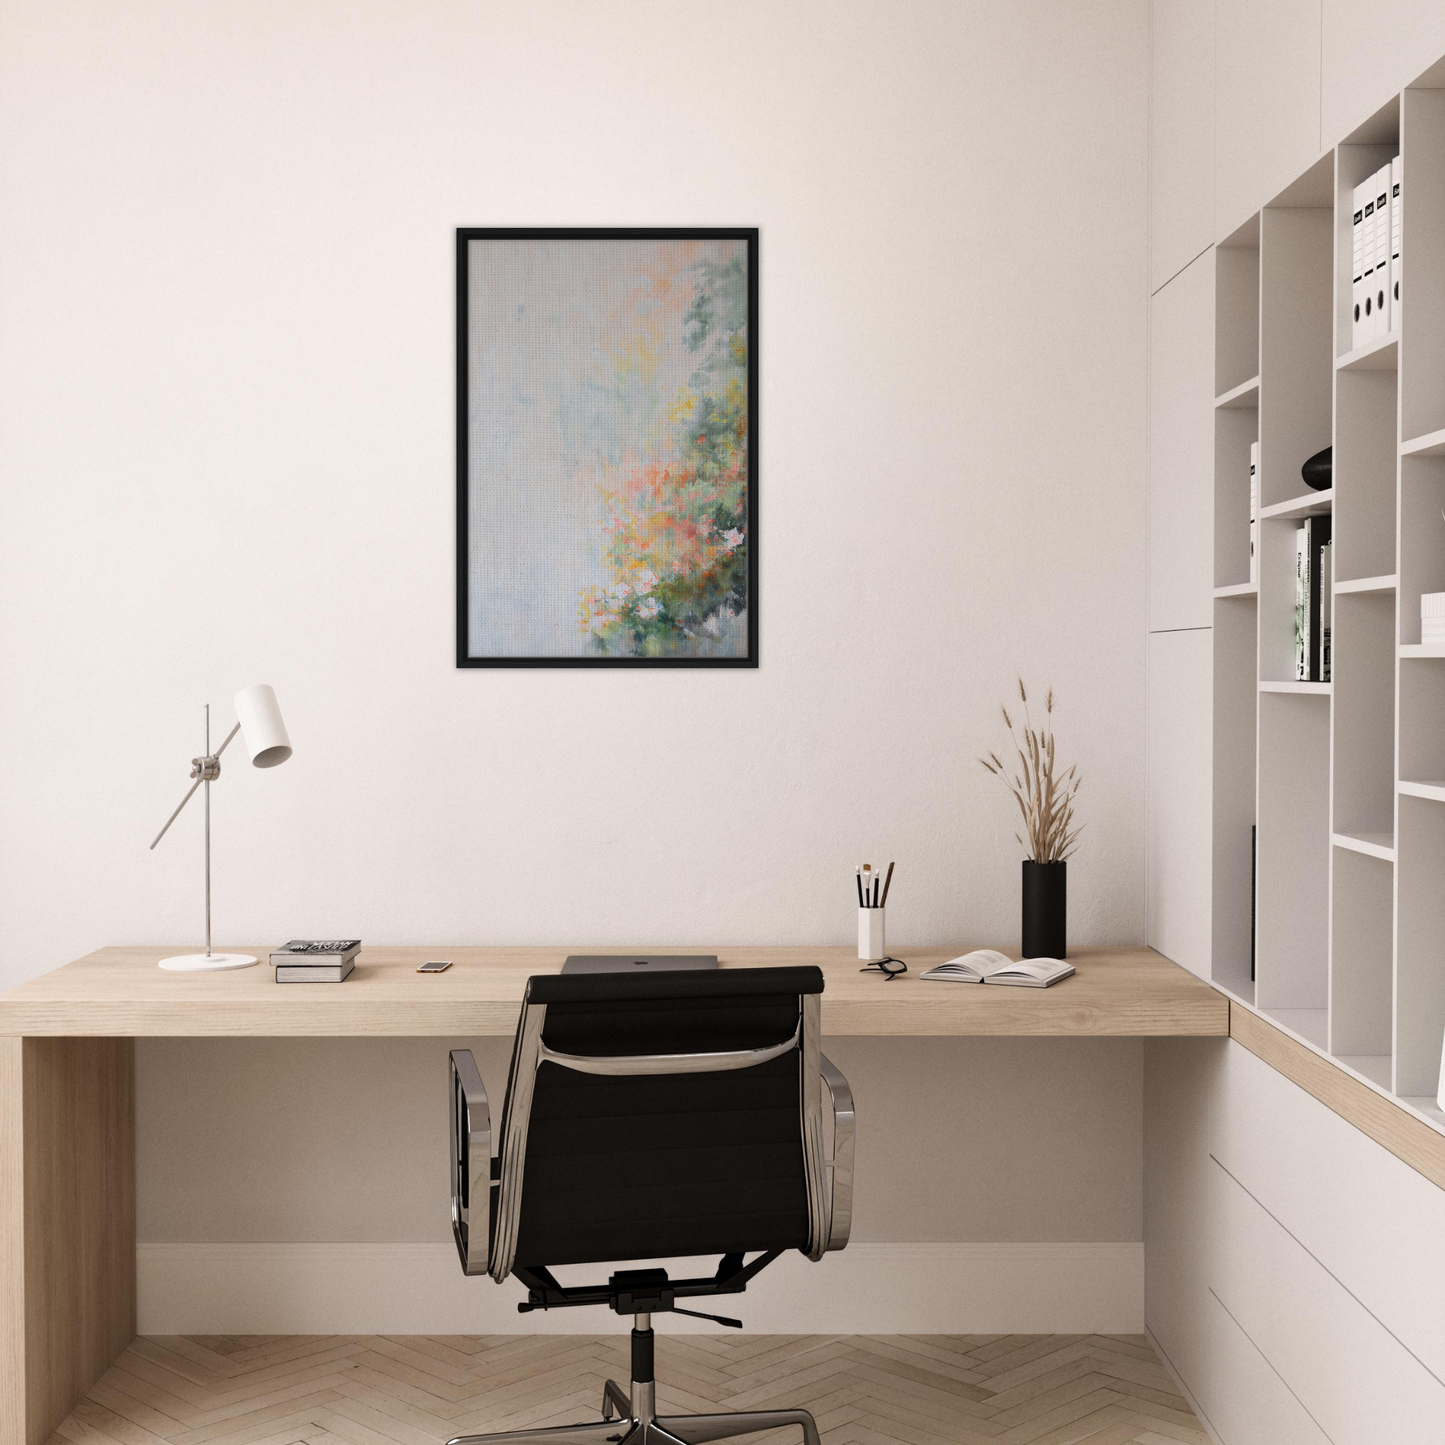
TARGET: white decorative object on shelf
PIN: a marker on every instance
(1432, 617)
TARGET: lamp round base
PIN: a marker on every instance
(206, 962)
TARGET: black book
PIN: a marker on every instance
(317, 951)
(1253, 892)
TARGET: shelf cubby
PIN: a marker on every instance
(1236, 311)
(1422, 720)
(1364, 703)
(1296, 367)
(1365, 459)
(1235, 429)
(1294, 852)
(1236, 706)
(1422, 253)
(1420, 962)
(1422, 537)
(1362, 902)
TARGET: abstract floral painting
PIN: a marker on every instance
(606, 446)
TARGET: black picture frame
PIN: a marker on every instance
(465, 236)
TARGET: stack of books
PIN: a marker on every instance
(315, 960)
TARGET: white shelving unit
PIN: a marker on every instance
(1344, 781)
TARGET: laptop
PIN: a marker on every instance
(637, 962)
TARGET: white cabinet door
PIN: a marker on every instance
(1371, 1220)
(1266, 102)
(1181, 134)
(1246, 1401)
(1358, 1382)
(1181, 450)
(1181, 1082)
(1178, 901)
(1370, 52)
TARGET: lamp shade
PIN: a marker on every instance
(262, 730)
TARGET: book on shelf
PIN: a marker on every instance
(988, 965)
(314, 972)
(1326, 607)
(1301, 606)
(1310, 613)
(1254, 513)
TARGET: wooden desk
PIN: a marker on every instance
(67, 1091)
(119, 992)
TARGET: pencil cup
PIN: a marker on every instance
(870, 934)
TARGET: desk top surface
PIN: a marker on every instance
(120, 992)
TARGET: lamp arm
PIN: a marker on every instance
(177, 813)
(202, 774)
(227, 743)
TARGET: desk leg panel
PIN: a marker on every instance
(67, 1212)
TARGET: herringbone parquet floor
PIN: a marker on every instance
(419, 1390)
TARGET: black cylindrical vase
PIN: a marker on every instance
(1046, 909)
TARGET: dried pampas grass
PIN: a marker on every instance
(1046, 801)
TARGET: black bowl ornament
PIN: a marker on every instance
(1319, 471)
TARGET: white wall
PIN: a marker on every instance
(226, 332)
(226, 363)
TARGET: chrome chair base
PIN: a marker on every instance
(641, 1427)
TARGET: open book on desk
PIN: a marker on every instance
(987, 965)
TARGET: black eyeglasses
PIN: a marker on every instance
(890, 968)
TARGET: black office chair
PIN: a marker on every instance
(649, 1117)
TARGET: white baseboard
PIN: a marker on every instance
(306, 1289)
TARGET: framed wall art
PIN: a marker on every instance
(607, 477)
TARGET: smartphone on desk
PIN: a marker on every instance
(435, 965)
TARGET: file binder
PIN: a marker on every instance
(1396, 225)
(1357, 268)
(1382, 252)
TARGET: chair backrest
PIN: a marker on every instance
(662, 1115)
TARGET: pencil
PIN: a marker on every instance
(858, 879)
(887, 883)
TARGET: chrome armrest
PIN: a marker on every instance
(840, 1166)
(471, 1126)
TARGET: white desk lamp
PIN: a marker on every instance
(258, 720)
